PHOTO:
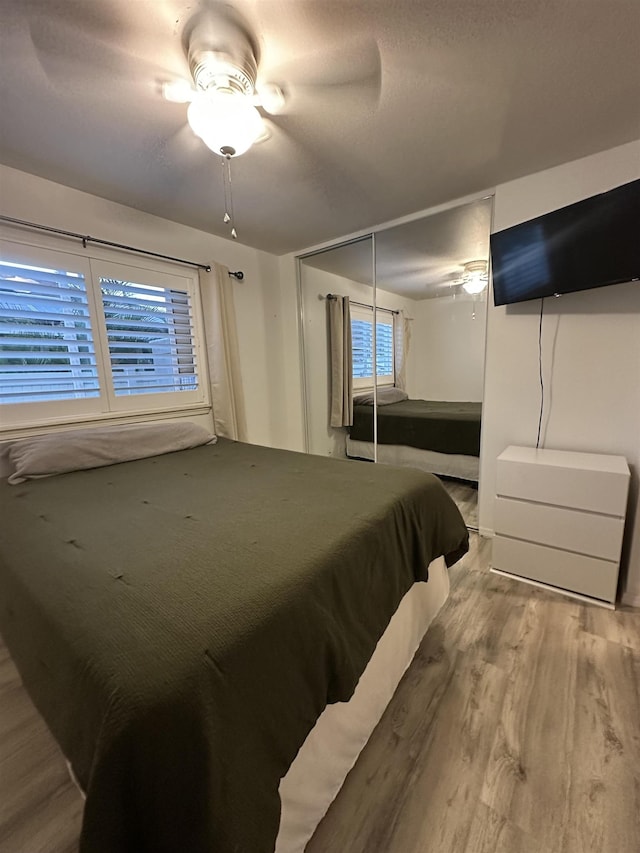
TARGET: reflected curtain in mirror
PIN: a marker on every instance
(340, 359)
(223, 353)
(401, 343)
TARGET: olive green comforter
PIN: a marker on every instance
(437, 425)
(182, 621)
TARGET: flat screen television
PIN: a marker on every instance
(592, 243)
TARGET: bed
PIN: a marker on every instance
(441, 437)
(182, 622)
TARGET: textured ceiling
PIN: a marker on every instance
(393, 106)
(419, 259)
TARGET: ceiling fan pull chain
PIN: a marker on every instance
(226, 218)
(228, 194)
(234, 233)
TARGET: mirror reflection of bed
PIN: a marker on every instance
(430, 346)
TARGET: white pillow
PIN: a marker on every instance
(385, 397)
(75, 450)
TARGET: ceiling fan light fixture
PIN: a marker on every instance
(225, 121)
(475, 277)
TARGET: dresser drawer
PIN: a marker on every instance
(575, 572)
(573, 530)
(576, 480)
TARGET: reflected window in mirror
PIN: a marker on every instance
(362, 347)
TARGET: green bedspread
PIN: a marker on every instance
(436, 425)
(182, 621)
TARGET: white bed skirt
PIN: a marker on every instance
(333, 745)
(445, 464)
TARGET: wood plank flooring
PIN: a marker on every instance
(466, 497)
(515, 730)
(40, 808)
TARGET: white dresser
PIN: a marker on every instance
(560, 519)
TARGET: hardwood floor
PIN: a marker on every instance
(40, 808)
(466, 497)
(515, 730)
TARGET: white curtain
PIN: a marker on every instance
(341, 365)
(223, 353)
(401, 342)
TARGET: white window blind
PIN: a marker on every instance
(47, 350)
(90, 338)
(150, 338)
(362, 347)
(384, 348)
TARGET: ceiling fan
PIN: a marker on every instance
(247, 73)
(238, 78)
(230, 97)
(224, 91)
(474, 278)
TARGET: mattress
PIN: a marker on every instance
(181, 622)
(443, 464)
(441, 426)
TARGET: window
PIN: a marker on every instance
(46, 342)
(362, 347)
(84, 338)
(150, 337)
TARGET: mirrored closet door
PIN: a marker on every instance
(417, 299)
(434, 272)
(337, 302)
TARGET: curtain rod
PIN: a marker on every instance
(239, 275)
(365, 305)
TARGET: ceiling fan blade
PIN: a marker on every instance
(71, 57)
(312, 164)
(348, 62)
(352, 69)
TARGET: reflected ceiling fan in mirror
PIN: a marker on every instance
(475, 277)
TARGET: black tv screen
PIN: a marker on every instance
(592, 243)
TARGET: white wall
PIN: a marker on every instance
(447, 348)
(591, 352)
(266, 308)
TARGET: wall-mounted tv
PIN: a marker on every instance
(592, 243)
